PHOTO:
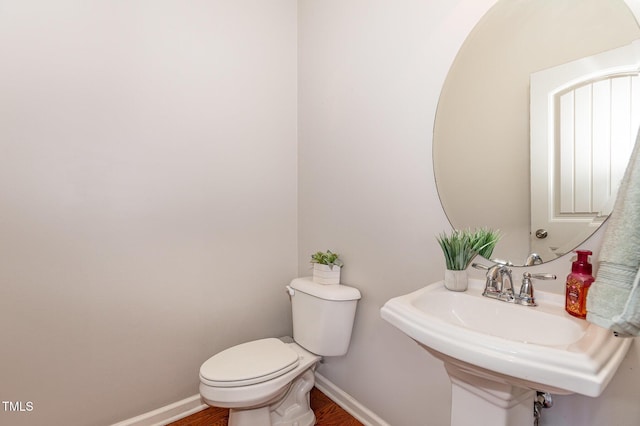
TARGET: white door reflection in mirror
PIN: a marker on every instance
(584, 121)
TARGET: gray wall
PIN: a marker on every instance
(160, 182)
(370, 76)
(148, 211)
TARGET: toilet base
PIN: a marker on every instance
(292, 409)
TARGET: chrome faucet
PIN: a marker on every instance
(493, 273)
(499, 284)
(506, 283)
(526, 289)
(533, 259)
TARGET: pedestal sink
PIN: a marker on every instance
(499, 354)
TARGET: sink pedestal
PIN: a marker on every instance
(478, 399)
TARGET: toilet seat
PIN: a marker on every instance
(249, 363)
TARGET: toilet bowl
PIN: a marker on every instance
(264, 382)
(267, 382)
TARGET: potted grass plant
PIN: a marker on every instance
(459, 248)
(326, 267)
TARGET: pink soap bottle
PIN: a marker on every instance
(578, 283)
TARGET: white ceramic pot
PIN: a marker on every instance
(456, 280)
(324, 274)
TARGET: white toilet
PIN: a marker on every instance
(266, 382)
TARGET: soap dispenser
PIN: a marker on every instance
(578, 283)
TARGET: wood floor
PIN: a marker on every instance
(327, 412)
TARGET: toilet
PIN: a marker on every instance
(266, 382)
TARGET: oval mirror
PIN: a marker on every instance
(481, 144)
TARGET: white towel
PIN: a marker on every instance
(613, 300)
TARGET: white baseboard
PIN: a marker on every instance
(167, 414)
(188, 406)
(348, 403)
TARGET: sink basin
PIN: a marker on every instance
(540, 348)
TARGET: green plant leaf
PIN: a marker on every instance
(327, 258)
(460, 247)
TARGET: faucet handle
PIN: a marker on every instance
(492, 271)
(542, 276)
(502, 262)
(496, 262)
(526, 289)
(480, 266)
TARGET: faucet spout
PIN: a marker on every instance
(493, 278)
(499, 284)
(506, 285)
(506, 281)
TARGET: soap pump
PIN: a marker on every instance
(578, 283)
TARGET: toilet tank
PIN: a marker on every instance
(323, 315)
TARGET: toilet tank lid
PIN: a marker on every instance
(325, 291)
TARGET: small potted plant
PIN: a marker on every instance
(460, 248)
(326, 267)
